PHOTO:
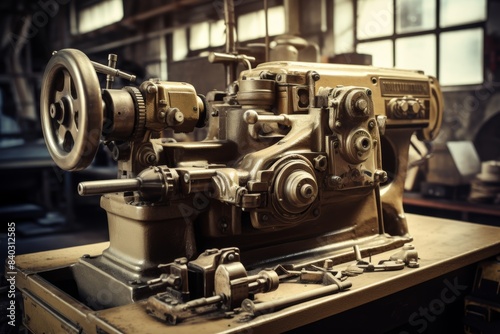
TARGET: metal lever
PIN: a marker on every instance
(252, 117)
(112, 71)
(218, 57)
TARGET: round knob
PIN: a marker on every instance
(301, 189)
(360, 106)
(358, 103)
(414, 108)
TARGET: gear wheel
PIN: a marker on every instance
(140, 105)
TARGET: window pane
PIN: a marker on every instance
(375, 18)
(217, 33)
(453, 12)
(276, 21)
(415, 15)
(199, 36)
(251, 25)
(417, 53)
(92, 18)
(381, 52)
(342, 26)
(461, 60)
(180, 49)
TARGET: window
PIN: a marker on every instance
(199, 36)
(443, 38)
(465, 66)
(98, 15)
(252, 25)
(179, 46)
(210, 34)
(217, 33)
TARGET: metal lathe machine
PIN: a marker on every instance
(302, 169)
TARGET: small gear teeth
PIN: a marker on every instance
(140, 105)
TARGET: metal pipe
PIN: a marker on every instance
(230, 67)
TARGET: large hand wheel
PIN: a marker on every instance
(71, 109)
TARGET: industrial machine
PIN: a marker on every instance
(302, 162)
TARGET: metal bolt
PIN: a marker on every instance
(361, 106)
(152, 89)
(151, 158)
(320, 163)
(371, 124)
(187, 178)
(265, 217)
(335, 180)
(338, 124)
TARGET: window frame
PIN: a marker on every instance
(437, 31)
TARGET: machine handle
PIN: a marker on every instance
(108, 186)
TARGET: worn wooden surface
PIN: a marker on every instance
(443, 246)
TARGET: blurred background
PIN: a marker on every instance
(458, 41)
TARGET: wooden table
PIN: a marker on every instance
(444, 246)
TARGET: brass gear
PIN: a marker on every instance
(140, 119)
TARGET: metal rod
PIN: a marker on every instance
(230, 40)
(276, 305)
(108, 186)
(266, 40)
(110, 79)
(112, 71)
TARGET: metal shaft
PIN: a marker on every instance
(272, 306)
(108, 186)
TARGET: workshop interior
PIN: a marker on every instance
(234, 160)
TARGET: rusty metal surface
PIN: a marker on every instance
(444, 246)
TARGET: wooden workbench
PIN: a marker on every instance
(444, 246)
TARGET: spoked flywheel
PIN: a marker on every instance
(71, 109)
